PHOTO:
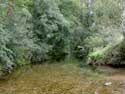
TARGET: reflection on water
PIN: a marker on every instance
(53, 79)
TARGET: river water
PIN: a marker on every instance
(56, 79)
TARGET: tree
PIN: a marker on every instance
(15, 35)
(123, 16)
(90, 12)
(50, 27)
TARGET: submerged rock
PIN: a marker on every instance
(108, 84)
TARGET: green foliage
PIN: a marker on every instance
(39, 54)
(71, 11)
(96, 56)
(77, 17)
(20, 29)
(79, 48)
(34, 31)
(7, 55)
(50, 27)
(15, 37)
(107, 12)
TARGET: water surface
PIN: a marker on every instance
(56, 79)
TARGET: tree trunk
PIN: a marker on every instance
(89, 4)
(123, 17)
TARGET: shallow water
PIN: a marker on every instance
(118, 74)
(56, 79)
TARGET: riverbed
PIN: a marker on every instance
(58, 79)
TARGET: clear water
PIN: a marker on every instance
(55, 79)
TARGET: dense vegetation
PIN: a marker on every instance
(35, 31)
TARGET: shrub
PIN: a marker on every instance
(79, 47)
(7, 56)
(50, 27)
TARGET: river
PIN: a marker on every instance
(57, 79)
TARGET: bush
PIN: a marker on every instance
(79, 48)
(50, 27)
(95, 56)
(39, 54)
(15, 38)
(7, 56)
